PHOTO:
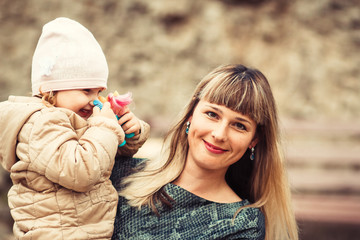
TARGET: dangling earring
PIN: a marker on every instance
(187, 127)
(252, 155)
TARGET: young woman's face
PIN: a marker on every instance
(218, 136)
(79, 100)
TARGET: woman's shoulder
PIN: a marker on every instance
(249, 223)
(124, 166)
(252, 214)
(186, 199)
(128, 162)
(215, 219)
(182, 195)
(253, 221)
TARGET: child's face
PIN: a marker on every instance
(79, 100)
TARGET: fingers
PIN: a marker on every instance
(130, 123)
(96, 111)
(106, 111)
(131, 127)
(125, 118)
(106, 106)
(123, 111)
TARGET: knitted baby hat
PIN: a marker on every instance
(66, 57)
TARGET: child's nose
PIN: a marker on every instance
(92, 99)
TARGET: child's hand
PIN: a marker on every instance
(106, 111)
(129, 122)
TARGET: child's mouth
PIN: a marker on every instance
(85, 113)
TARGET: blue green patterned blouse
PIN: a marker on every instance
(191, 217)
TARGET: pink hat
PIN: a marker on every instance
(66, 57)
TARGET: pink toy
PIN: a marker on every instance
(117, 103)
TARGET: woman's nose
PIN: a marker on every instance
(219, 133)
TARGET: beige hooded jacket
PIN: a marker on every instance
(60, 166)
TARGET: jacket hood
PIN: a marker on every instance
(13, 115)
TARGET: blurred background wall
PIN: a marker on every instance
(159, 50)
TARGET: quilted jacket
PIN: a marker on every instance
(60, 166)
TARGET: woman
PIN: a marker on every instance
(222, 176)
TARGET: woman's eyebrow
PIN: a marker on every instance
(215, 108)
(243, 120)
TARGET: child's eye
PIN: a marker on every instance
(87, 90)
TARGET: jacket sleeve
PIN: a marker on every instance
(133, 144)
(72, 155)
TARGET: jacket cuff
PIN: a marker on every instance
(108, 124)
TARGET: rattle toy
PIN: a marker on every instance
(117, 103)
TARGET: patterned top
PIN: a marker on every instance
(191, 216)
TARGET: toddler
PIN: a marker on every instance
(58, 147)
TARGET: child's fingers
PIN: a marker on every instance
(106, 106)
(96, 111)
(132, 126)
(105, 111)
(125, 118)
(129, 123)
(133, 129)
(126, 126)
(123, 111)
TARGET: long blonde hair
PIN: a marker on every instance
(262, 181)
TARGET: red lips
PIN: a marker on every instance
(213, 149)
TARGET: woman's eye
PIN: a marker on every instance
(239, 126)
(86, 90)
(211, 114)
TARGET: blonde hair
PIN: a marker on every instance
(243, 90)
(48, 98)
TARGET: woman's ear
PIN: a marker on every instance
(253, 143)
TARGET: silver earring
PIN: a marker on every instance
(187, 127)
(252, 155)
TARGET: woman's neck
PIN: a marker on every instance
(208, 184)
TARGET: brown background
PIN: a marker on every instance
(159, 49)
